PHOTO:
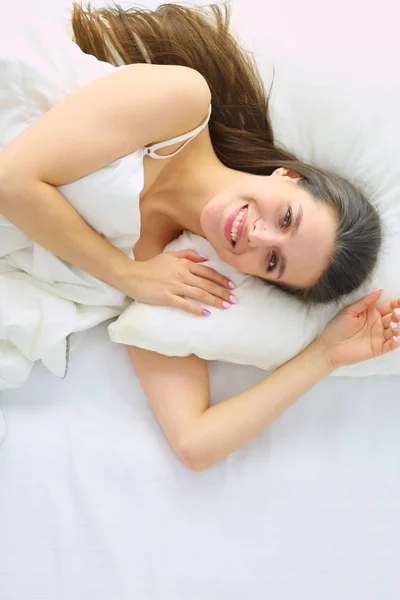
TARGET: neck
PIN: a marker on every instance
(190, 183)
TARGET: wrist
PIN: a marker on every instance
(123, 270)
(320, 354)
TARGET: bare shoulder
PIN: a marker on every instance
(180, 95)
(105, 120)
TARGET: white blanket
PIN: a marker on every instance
(43, 300)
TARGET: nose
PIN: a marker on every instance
(261, 234)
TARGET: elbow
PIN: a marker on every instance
(192, 457)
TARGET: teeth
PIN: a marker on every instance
(235, 225)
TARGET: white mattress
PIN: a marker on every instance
(94, 503)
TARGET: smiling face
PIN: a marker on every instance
(270, 227)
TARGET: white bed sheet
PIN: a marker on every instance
(94, 503)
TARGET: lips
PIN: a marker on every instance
(237, 225)
(240, 229)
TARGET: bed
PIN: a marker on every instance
(94, 503)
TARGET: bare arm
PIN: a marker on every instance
(106, 120)
(178, 391)
(178, 388)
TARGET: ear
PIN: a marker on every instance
(286, 173)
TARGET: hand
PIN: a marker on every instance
(169, 278)
(362, 331)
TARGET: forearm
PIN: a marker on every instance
(228, 425)
(46, 217)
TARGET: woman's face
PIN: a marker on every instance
(268, 226)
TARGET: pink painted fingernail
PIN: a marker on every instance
(206, 313)
(397, 312)
(232, 285)
(393, 325)
(377, 290)
(395, 339)
(226, 304)
(233, 299)
(202, 256)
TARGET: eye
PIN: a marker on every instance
(272, 263)
(288, 218)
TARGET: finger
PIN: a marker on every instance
(391, 325)
(362, 305)
(389, 307)
(212, 275)
(189, 307)
(212, 288)
(194, 293)
(392, 344)
(388, 333)
(191, 255)
(392, 319)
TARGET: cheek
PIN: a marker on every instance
(211, 217)
(250, 263)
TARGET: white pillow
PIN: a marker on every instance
(328, 110)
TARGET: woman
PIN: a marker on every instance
(263, 211)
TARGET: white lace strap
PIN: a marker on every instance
(151, 150)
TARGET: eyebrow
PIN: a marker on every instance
(295, 227)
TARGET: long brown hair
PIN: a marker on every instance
(240, 126)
